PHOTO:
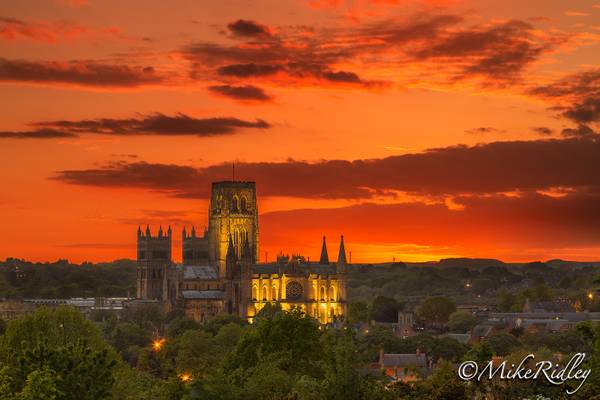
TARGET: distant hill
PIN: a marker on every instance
(471, 262)
(570, 264)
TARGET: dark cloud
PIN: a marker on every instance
(576, 86)
(500, 52)
(576, 97)
(247, 92)
(247, 70)
(87, 73)
(44, 133)
(585, 112)
(155, 124)
(542, 130)
(582, 131)
(487, 168)
(485, 130)
(247, 28)
(495, 53)
(342, 76)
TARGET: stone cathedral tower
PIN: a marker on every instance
(233, 214)
(153, 264)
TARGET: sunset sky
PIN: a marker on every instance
(418, 129)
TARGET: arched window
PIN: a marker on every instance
(219, 201)
(243, 203)
(332, 293)
(274, 293)
(254, 293)
(235, 204)
(265, 294)
(322, 293)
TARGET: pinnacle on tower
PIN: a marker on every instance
(247, 251)
(230, 250)
(184, 233)
(148, 230)
(193, 231)
(342, 253)
(139, 231)
(160, 232)
(324, 257)
(169, 232)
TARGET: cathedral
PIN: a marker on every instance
(220, 271)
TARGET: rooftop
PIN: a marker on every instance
(203, 294)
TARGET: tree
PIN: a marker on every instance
(181, 324)
(444, 384)
(436, 310)
(69, 372)
(461, 321)
(502, 343)
(126, 334)
(40, 385)
(358, 312)
(214, 324)
(384, 309)
(195, 352)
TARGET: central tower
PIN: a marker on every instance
(233, 212)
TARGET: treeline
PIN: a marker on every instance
(62, 280)
(466, 282)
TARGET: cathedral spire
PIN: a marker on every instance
(342, 254)
(324, 257)
(148, 230)
(139, 231)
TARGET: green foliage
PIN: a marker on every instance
(21, 279)
(384, 309)
(181, 324)
(358, 312)
(58, 326)
(436, 310)
(502, 343)
(461, 321)
(126, 334)
(69, 372)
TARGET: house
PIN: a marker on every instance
(404, 367)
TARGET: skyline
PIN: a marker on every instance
(419, 130)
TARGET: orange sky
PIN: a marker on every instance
(419, 129)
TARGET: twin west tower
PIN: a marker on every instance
(220, 272)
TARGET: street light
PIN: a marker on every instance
(590, 296)
(158, 344)
(185, 377)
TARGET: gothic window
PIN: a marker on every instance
(235, 204)
(219, 201)
(265, 294)
(243, 203)
(332, 293)
(322, 293)
(254, 293)
(274, 293)
(293, 291)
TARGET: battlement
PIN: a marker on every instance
(234, 184)
(194, 248)
(154, 248)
